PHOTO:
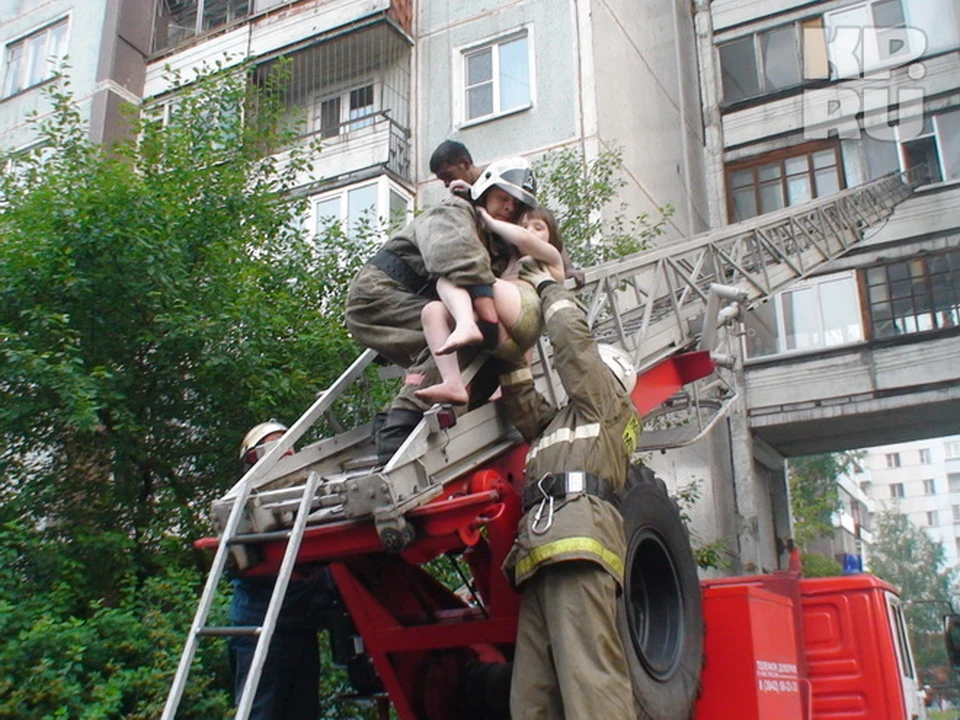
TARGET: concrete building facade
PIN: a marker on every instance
(726, 110)
(920, 479)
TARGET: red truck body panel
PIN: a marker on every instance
(825, 643)
(751, 666)
(852, 659)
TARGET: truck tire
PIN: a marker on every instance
(659, 612)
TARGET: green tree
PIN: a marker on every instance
(156, 300)
(814, 496)
(905, 556)
(595, 227)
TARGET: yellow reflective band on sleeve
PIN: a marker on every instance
(543, 553)
(556, 307)
(516, 377)
(584, 432)
(631, 433)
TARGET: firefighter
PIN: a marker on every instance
(290, 681)
(386, 297)
(451, 160)
(568, 558)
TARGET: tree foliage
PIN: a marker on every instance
(813, 493)
(906, 557)
(583, 193)
(156, 300)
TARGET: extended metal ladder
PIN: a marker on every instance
(654, 303)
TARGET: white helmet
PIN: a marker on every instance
(513, 175)
(620, 364)
(257, 433)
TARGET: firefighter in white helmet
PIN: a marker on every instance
(386, 297)
(568, 558)
(289, 683)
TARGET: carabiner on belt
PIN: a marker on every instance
(541, 523)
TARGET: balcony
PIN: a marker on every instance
(352, 94)
(180, 23)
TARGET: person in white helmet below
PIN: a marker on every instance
(568, 557)
(387, 296)
(289, 684)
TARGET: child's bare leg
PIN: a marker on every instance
(437, 322)
(458, 303)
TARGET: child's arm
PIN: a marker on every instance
(526, 243)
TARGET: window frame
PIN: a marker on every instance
(780, 160)
(897, 490)
(781, 337)
(384, 187)
(925, 457)
(929, 486)
(922, 304)
(892, 460)
(50, 62)
(461, 86)
(873, 52)
(345, 123)
(200, 27)
(803, 65)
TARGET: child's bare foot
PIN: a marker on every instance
(452, 393)
(463, 334)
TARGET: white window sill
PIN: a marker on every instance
(495, 116)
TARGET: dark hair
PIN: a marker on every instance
(541, 213)
(449, 152)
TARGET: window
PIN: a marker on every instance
(932, 519)
(346, 111)
(951, 450)
(758, 187)
(953, 480)
(35, 58)
(896, 490)
(915, 295)
(375, 205)
(180, 20)
(893, 460)
(867, 37)
(496, 78)
(929, 487)
(779, 58)
(956, 514)
(818, 313)
(933, 141)
(924, 456)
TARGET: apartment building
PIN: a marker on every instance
(105, 45)
(724, 109)
(920, 479)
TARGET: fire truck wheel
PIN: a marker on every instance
(659, 615)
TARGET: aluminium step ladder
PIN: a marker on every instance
(654, 304)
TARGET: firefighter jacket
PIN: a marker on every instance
(595, 432)
(447, 241)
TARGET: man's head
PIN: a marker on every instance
(511, 177)
(452, 161)
(258, 440)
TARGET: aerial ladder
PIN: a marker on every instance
(452, 485)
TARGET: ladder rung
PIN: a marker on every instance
(230, 631)
(258, 537)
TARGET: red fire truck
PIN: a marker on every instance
(776, 646)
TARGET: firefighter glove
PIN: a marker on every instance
(535, 274)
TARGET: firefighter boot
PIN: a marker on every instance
(397, 425)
